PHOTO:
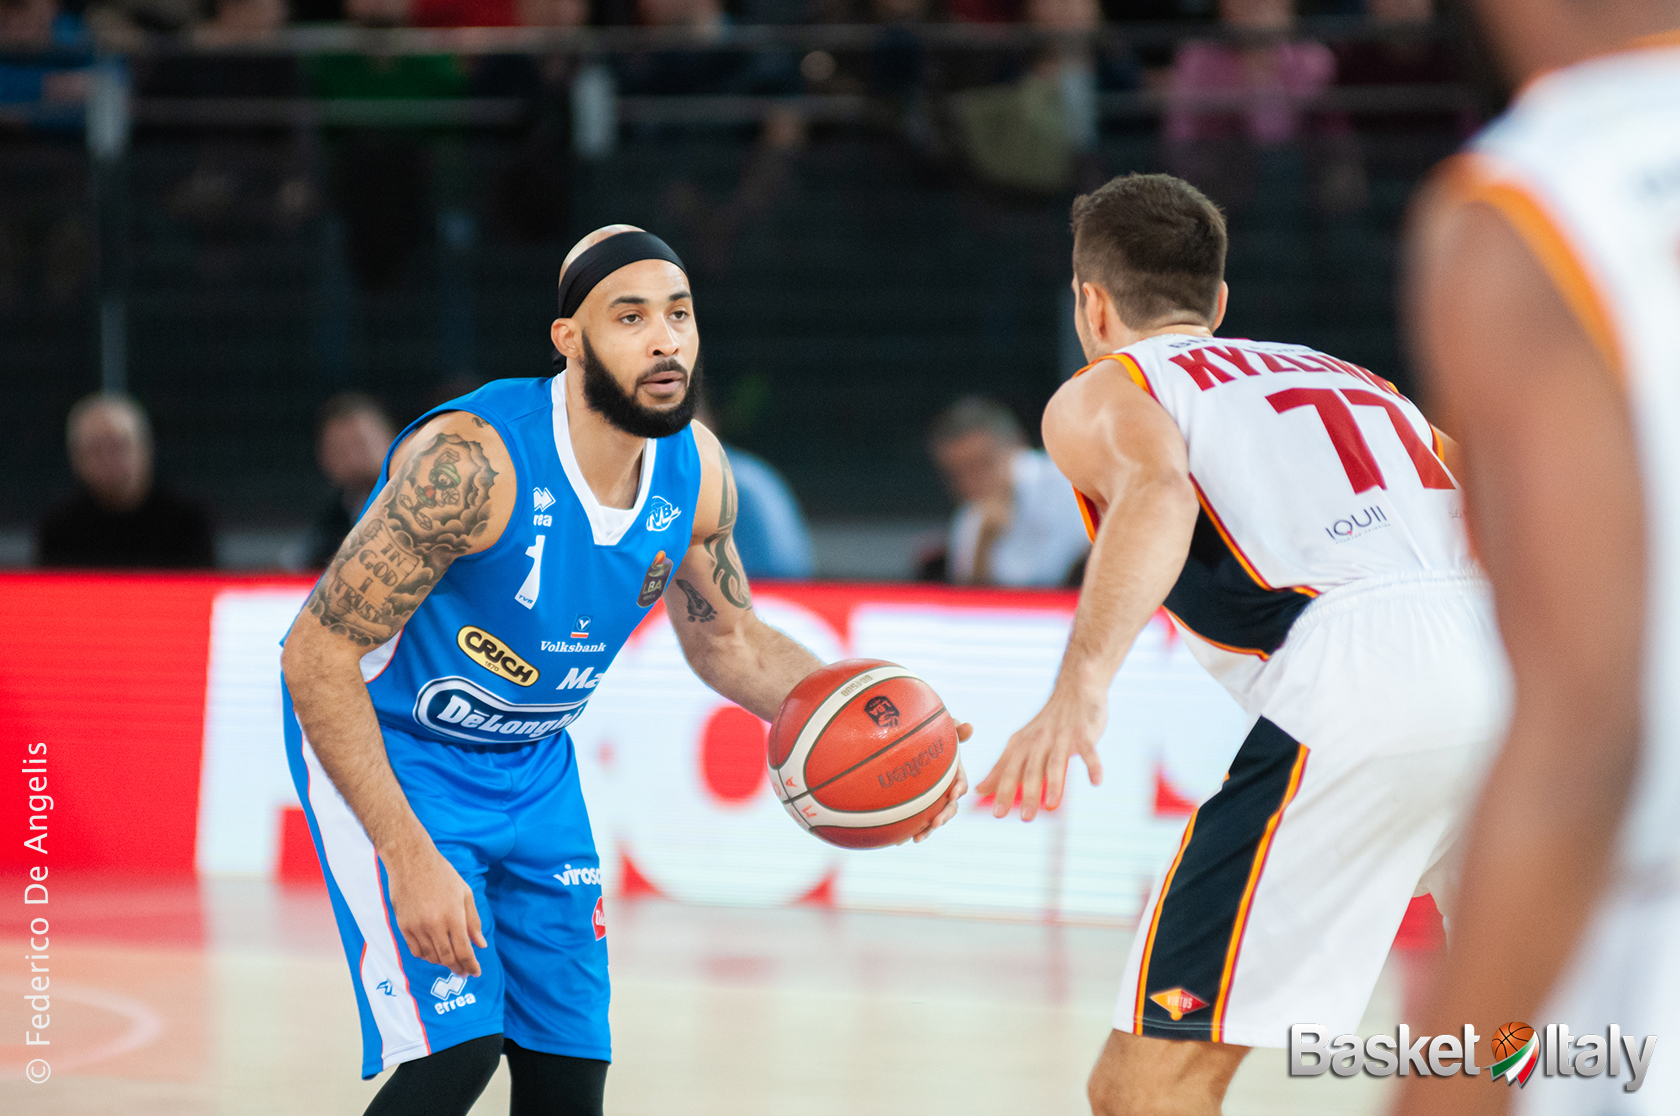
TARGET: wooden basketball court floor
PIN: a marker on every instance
(231, 998)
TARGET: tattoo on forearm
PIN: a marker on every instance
(726, 560)
(428, 516)
(700, 610)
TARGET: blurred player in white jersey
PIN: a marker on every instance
(1546, 294)
(1296, 517)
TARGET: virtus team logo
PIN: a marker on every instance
(1178, 1002)
(1516, 1051)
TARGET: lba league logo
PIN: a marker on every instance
(882, 711)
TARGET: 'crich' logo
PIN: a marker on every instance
(662, 513)
(493, 655)
(464, 710)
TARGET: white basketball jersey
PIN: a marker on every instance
(1586, 167)
(1312, 473)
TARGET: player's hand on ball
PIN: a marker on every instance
(959, 787)
(435, 911)
(1035, 760)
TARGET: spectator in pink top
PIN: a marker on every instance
(1231, 90)
(1229, 101)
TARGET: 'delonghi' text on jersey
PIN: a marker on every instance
(511, 642)
(1312, 473)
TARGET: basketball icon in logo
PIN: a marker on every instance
(1515, 1053)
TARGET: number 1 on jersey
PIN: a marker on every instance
(1358, 461)
(527, 594)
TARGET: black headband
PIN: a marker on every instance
(600, 261)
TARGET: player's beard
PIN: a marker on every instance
(618, 407)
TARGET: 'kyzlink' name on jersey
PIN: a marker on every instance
(464, 710)
(493, 655)
(1236, 362)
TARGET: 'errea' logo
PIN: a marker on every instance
(493, 655)
(448, 990)
(464, 710)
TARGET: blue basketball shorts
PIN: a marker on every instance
(511, 819)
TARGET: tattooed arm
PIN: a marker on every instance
(451, 492)
(710, 605)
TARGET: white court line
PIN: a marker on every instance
(145, 1026)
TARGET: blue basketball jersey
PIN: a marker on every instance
(511, 642)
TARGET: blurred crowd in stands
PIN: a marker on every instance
(1016, 523)
(1019, 119)
(1022, 119)
(223, 21)
(1278, 67)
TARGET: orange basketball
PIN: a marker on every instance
(1509, 1039)
(862, 752)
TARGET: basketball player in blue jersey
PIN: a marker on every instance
(519, 535)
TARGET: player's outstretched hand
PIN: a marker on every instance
(1035, 761)
(435, 911)
(959, 787)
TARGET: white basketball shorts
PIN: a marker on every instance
(1372, 724)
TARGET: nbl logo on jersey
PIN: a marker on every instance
(464, 710)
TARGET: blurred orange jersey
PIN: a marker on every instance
(1585, 167)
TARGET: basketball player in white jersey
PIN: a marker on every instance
(1293, 513)
(1546, 296)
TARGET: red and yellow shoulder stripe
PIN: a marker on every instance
(1128, 364)
(1087, 507)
